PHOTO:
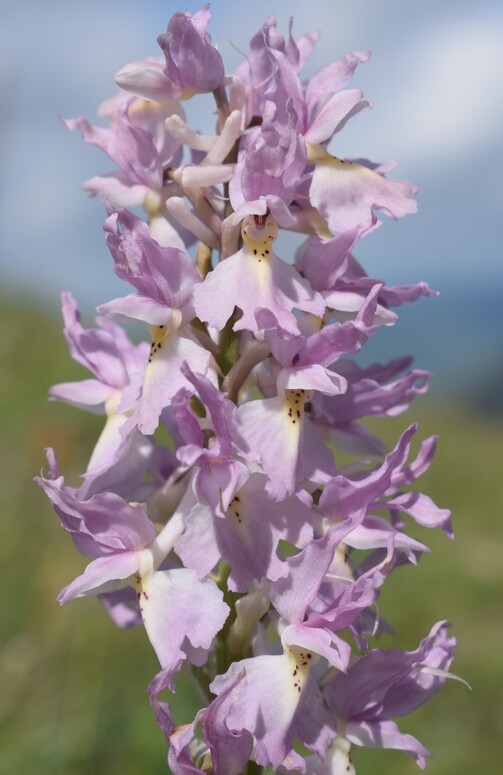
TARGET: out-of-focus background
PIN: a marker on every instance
(73, 687)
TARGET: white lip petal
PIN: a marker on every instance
(174, 606)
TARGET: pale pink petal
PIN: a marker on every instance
(175, 605)
(116, 189)
(266, 704)
(108, 444)
(312, 377)
(319, 641)
(334, 114)
(385, 734)
(423, 509)
(333, 77)
(270, 437)
(255, 280)
(101, 575)
(164, 377)
(136, 307)
(89, 394)
(346, 192)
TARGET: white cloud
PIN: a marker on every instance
(453, 91)
(441, 102)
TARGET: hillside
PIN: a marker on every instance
(73, 687)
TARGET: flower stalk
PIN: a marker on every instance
(214, 509)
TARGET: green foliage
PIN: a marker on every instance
(73, 694)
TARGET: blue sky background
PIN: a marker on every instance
(435, 80)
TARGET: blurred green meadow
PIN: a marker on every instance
(72, 686)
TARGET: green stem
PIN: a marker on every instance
(201, 679)
(229, 343)
(222, 656)
(252, 768)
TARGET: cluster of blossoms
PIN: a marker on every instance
(214, 508)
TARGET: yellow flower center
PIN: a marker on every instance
(259, 232)
(161, 334)
(295, 402)
(300, 661)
